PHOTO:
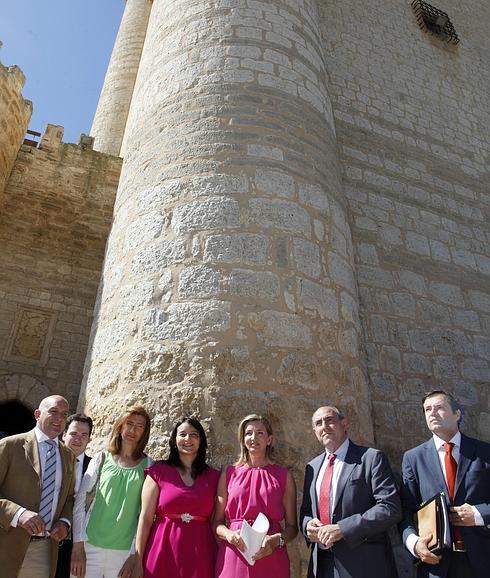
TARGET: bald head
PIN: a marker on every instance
(330, 427)
(51, 415)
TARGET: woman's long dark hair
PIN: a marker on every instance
(199, 464)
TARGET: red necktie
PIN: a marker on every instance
(451, 470)
(326, 486)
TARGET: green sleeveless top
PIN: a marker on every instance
(116, 508)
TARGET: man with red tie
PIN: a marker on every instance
(459, 466)
(349, 502)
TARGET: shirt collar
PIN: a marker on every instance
(341, 451)
(439, 443)
(42, 437)
(80, 458)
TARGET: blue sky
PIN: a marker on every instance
(63, 47)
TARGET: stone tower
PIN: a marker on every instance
(228, 282)
(115, 99)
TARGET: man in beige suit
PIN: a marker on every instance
(37, 480)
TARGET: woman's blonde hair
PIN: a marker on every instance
(244, 457)
(115, 441)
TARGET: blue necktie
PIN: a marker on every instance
(49, 476)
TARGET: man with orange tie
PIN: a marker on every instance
(349, 502)
(459, 466)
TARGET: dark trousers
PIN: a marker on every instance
(64, 555)
(459, 567)
(325, 567)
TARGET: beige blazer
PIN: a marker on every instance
(20, 486)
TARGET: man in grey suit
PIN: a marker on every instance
(349, 502)
(459, 466)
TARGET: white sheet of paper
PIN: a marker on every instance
(253, 536)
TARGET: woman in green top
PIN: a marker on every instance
(108, 502)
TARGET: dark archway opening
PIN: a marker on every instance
(15, 418)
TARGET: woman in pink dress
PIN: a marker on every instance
(253, 485)
(174, 537)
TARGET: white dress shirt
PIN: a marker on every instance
(412, 539)
(79, 471)
(337, 469)
(43, 450)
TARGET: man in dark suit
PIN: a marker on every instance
(459, 466)
(349, 502)
(36, 494)
(76, 436)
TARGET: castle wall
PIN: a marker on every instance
(411, 115)
(54, 220)
(15, 113)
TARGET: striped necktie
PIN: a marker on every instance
(49, 476)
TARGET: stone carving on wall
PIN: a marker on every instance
(31, 335)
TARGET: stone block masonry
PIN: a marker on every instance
(302, 218)
(228, 282)
(54, 220)
(15, 113)
(411, 118)
(115, 99)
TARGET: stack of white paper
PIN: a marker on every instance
(253, 536)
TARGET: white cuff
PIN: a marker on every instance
(410, 543)
(16, 517)
(67, 522)
(478, 517)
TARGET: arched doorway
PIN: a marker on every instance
(15, 418)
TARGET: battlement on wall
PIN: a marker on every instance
(52, 138)
(15, 112)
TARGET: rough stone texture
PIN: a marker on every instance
(15, 113)
(230, 206)
(412, 125)
(54, 220)
(291, 167)
(115, 99)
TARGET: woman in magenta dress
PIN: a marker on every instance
(174, 537)
(253, 485)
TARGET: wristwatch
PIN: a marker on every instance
(282, 541)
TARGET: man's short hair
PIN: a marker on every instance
(81, 417)
(339, 412)
(452, 399)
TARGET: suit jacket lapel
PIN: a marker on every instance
(65, 455)
(86, 461)
(351, 461)
(32, 453)
(466, 453)
(433, 465)
(317, 466)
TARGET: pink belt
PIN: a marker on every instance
(185, 517)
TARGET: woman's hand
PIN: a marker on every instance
(234, 539)
(78, 560)
(269, 544)
(138, 570)
(127, 568)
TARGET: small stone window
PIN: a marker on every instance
(434, 21)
